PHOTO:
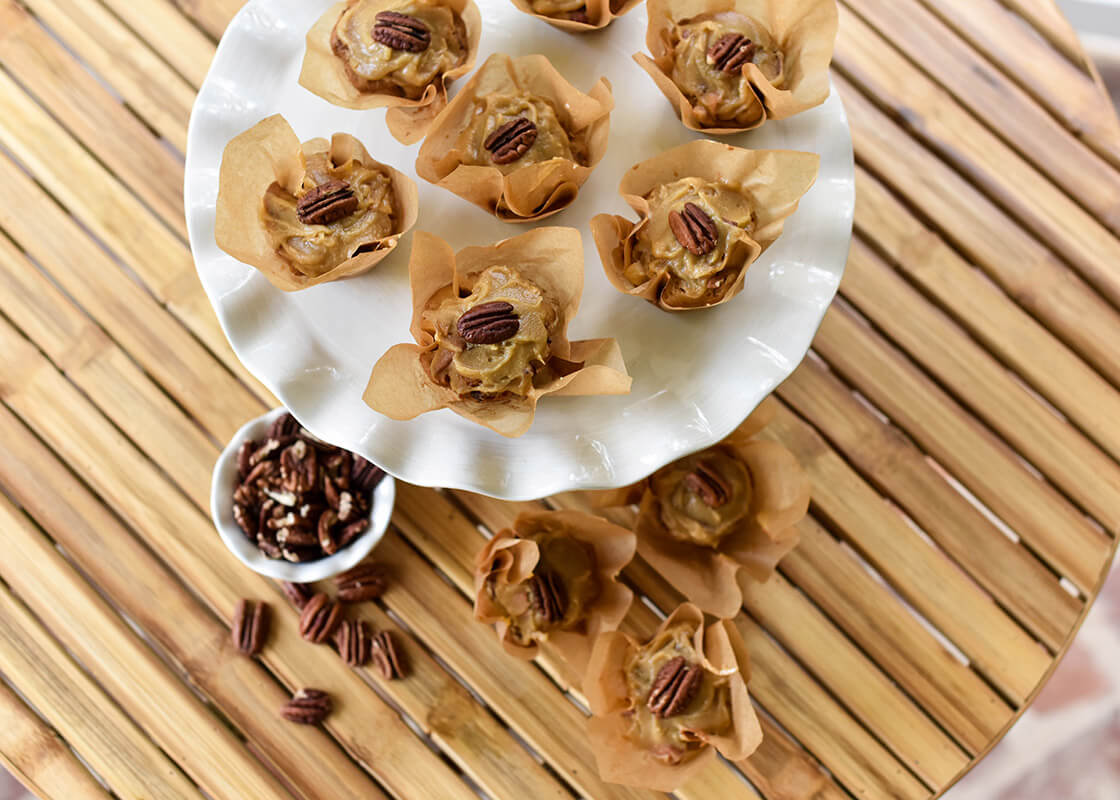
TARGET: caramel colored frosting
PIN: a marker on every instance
(376, 68)
(657, 250)
(716, 95)
(315, 249)
(569, 565)
(490, 370)
(494, 110)
(686, 514)
(673, 739)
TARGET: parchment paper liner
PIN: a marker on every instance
(270, 152)
(534, 191)
(600, 14)
(512, 560)
(623, 761)
(324, 74)
(709, 577)
(550, 257)
(804, 29)
(776, 180)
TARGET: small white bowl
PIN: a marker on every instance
(221, 509)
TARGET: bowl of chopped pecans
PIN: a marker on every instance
(293, 507)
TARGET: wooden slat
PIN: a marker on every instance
(981, 383)
(1048, 20)
(160, 96)
(102, 204)
(1026, 346)
(1012, 574)
(91, 114)
(170, 714)
(125, 758)
(977, 84)
(1025, 269)
(998, 647)
(1027, 59)
(211, 15)
(859, 762)
(33, 752)
(186, 48)
(932, 115)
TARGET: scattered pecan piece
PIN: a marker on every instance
(364, 582)
(297, 593)
(326, 203)
(546, 595)
(511, 141)
(694, 229)
(250, 626)
(488, 323)
(354, 642)
(731, 52)
(319, 618)
(674, 687)
(307, 707)
(401, 32)
(386, 657)
(709, 485)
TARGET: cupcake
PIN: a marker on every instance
(727, 66)
(518, 140)
(364, 54)
(576, 16)
(706, 517)
(707, 212)
(490, 330)
(550, 581)
(312, 213)
(662, 709)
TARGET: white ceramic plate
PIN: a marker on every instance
(696, 375)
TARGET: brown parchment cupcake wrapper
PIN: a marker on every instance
(600, 14)
(552, 258)
(324, 74)
(534, 191)
(268, 153)
(775, 180)
(511, 560)
(623, 761)
(708, 577)
(804, 29)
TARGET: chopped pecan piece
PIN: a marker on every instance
(709, 485)
(401, 32)
(327, 203)
(488, 323)
(319, 618)
(511, 141)
(250, 626)
(307, 707)
(694, 229)
(731, 52)
(675, 685)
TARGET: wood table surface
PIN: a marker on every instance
(959, 417)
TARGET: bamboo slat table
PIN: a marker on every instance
(958, 417)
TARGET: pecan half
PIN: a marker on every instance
(250, 626)
(488, 323)
(354, 642)
(547, 597)
(365, 475)
(709, 485)
(327, 520)
(386, 657)
(674, 687)
(307, 707)
(246, 520)
(319, 618)
(353, 531)
(401, 32)
(297, 593)
(364, 582)
(283, 426)
(326, 203)
(299, 468)
(694, 229)
(244, 454)
(511, 141)
(731, 52)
